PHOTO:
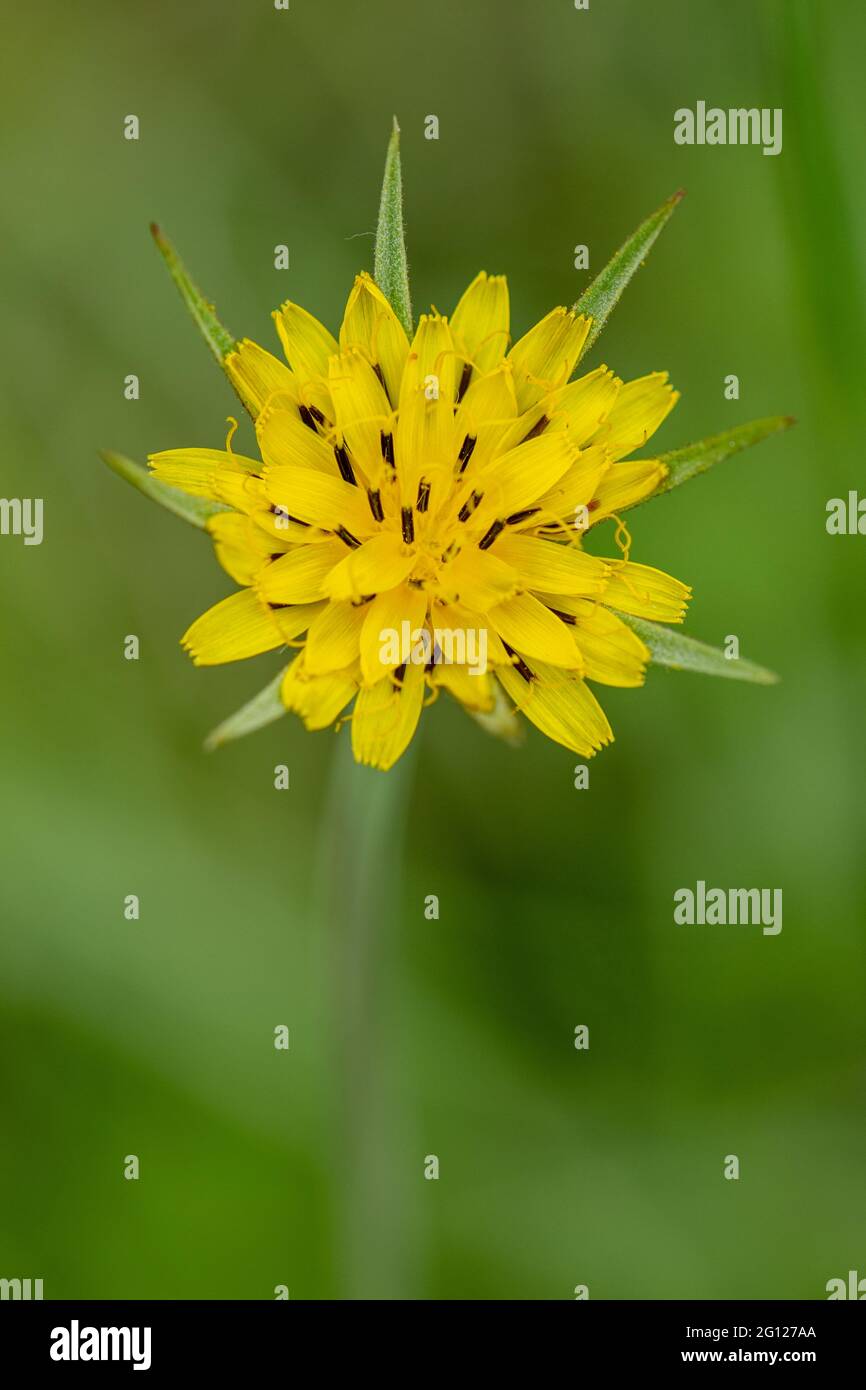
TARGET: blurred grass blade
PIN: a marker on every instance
(668, 647)
(601, 297)
(390, 269)
(262, 709)
(693, 459)
(195, 510)
(217, 337)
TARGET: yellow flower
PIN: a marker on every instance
(416, 519)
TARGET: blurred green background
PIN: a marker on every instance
(454, 1037)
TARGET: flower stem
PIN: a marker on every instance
(358, 893)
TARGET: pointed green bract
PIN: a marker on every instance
(195, 510)
(600, 299)
(261, 710)
(668, 647)
(390, 269)
(693, 459)
(215, 334)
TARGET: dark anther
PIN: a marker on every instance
(469, 506)
(344, 464)
(519, 664)
(408, 521)
(466, 451)
(491, 535)
(521, 516)
(387, 442)
(464, 380)
(347, 538)
(423, 495)
(374, 497)
(307, 417)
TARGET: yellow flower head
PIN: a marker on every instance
(416, 519)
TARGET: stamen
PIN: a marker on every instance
(466, 451)
(408, 521)
(307, 417)
(423, 495)
(316, 414)
(387, 442)
(374, 497)
(469, 506)
(464, 381)
(521, 516)
(519, 664)
(381, 375)
(347, 473)
(488, 540)
(347, 538)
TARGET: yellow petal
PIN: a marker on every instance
(577, 488)
(381, 562)
(286, 441)
(317, 699)
(282, 531)
(385, 641)
(257, 375)
(544, 358)
(237, 627)
(639, 410)
(583, 405)
(385, 718)
(480, 322)
(300, 575)
(559, 569)
(306, 342)
(241, 548)
(516, 479)
(475, 692)
(561, 706)
(624, 484)
(532, 630)
(333, 641)
(362, 411)
(483, 419)
(371, 326)
(611, 652)
(456, 619)
(295, 618)
(646, 592)
(194, 470)
(423, 436)
(319, 500)
(477, 579)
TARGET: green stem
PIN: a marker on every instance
(358, 893)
